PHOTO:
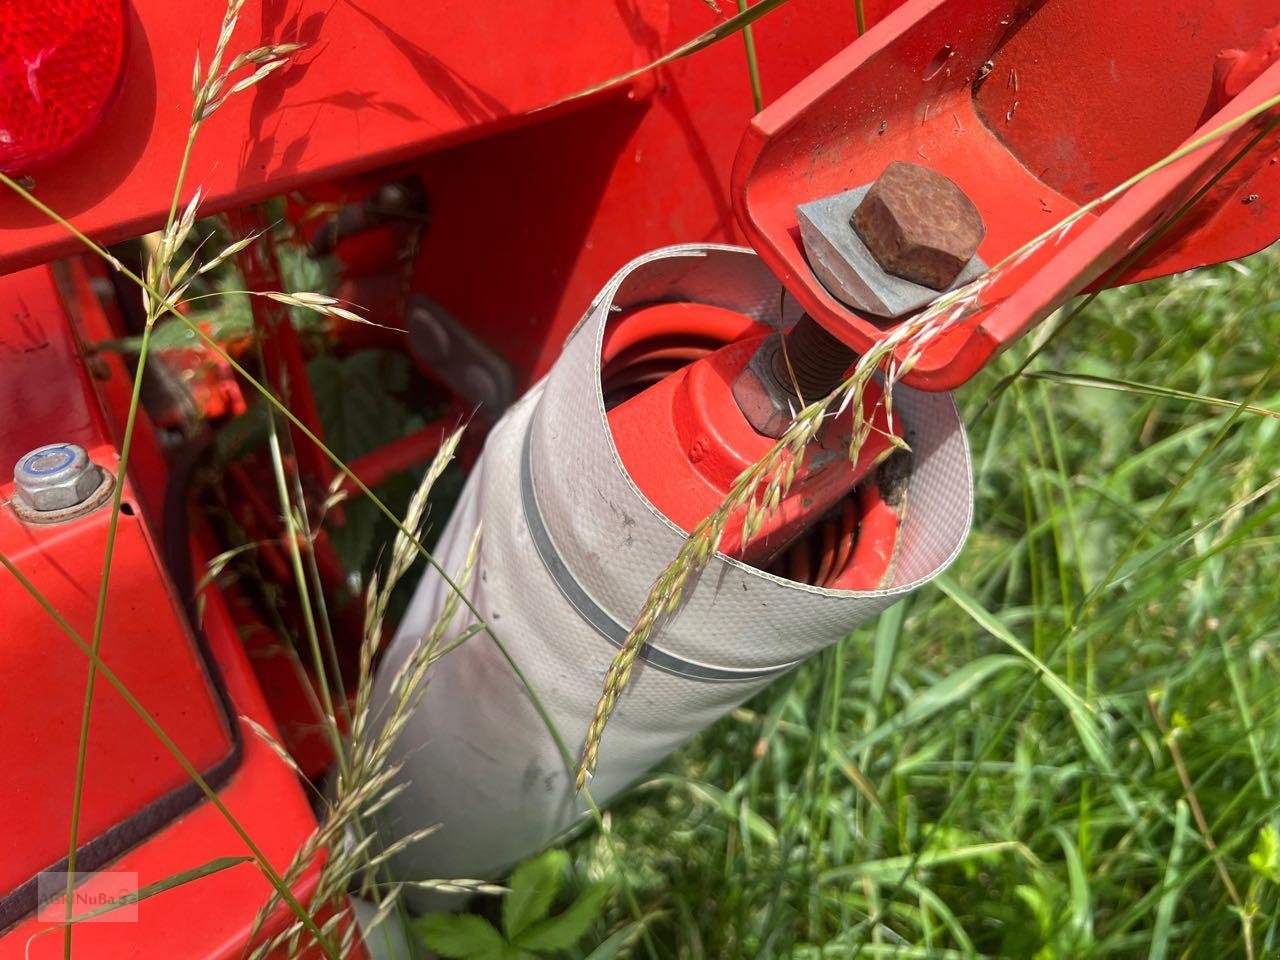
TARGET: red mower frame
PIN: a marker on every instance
(1041, 110)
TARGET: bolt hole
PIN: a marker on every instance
(938, 62)
(126, 508)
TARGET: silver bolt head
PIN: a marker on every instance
(56, 476)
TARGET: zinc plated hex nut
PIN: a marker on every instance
(56, 482)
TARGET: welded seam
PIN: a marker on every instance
(590, 611)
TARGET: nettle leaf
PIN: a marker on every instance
(464, 936)
(247, 432)
(358, 399)
(534, 886)
(1265, 858)
(565, 929)
(506, 952)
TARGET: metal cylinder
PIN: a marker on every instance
(569, 549)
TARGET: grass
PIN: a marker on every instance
(921, 790)
(918, 791)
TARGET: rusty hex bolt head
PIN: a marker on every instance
(919, 225)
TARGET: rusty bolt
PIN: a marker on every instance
(919, 225)
(764, 401)
(814, 362)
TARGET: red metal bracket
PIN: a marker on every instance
(1034, 109)
(47, 390)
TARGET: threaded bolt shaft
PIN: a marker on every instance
(811, 360)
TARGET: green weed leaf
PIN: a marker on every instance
(564, 930)
(358, 399)
(463, 936)
(534, 886)
(1161, 930)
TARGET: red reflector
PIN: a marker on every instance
(59, 63)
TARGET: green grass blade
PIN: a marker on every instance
(753, 64)
(889, 869)
(884, 644)
(985, 619)
(1080, 898)
(953, 690)
(1171, 886)
(1135, 388)
(99, 619)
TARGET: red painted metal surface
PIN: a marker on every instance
(684, 441)
(379, 82)
(644, 347)
(872, 554)
(852, 548)
(557, 205)
(212, 917)
(40, 716)
(1071, 98)
(410, 451)
(532, 210)
(423, 82)
(93, 387)
(46, 391)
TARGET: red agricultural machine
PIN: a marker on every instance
(928, 181)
